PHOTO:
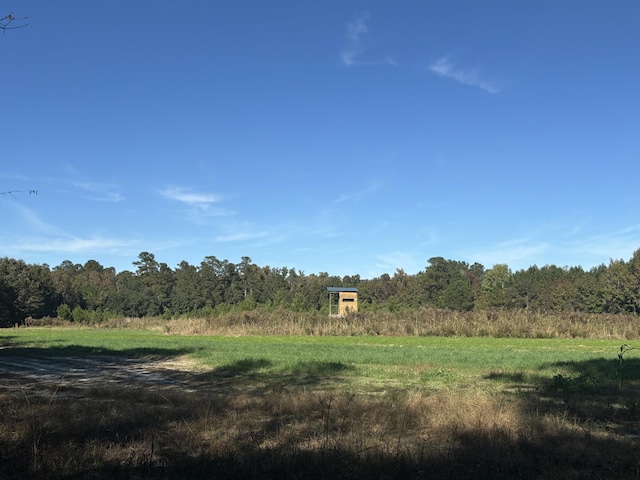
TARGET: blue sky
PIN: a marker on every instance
(328, 136)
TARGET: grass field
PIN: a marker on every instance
(364, 363)
(327, 407)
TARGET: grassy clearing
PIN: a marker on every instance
(406, 362)
(333, 406)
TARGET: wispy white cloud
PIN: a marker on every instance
(355, 30)
(14, 176)
(185, 195)
(562, 246)
(521, 253)
(407, 261)
(325, 232)
(97, 191)
(102, 192)
(391, 61)
(445, 68)
(355, 48)
(71, 245)
(35, 223)
(48, 238)
(240, 236)
(359, 194)
(428, 236)
(245, 231)
(615, 245)
(200, 205)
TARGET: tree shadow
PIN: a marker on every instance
(80, 365)
(258, 376)
(596, 393)
(271, 431)
(6, 340)
(241, 367)
(155, 439)
(271, 434)
(84, 351)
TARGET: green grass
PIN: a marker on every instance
(347, 406)
(369, 363)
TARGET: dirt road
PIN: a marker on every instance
(94, 371)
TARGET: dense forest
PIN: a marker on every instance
(92, 292)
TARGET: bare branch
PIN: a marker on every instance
(6, 22)
(11, 193)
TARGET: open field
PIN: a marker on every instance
(83, 403)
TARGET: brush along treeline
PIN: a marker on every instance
(422, 321)
(91, 292)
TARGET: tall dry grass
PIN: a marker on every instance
(135, 433)
(420, 322)
(285, 431)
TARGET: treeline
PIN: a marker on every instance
(92, 292)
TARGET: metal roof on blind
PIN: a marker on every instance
(341, 289)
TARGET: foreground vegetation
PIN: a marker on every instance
(285, 404)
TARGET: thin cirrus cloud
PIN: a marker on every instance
(97, 191)
(241, 236)
(445, 68)
(618, 245)
(358, 195)
(47, 237)
(34, 222)
(247, 232)
(184, 195)
(399, 260)
(516, 253)
(355, 31)
(591, 250)
(102, 192)
(50, 247)
(201, 205)
(75, 245)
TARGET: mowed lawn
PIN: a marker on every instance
(360, 363)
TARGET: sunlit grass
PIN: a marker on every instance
(269, 406)
(365, 361)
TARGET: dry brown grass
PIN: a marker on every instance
(136, 433)
(419, 321)
(522, 431)
(423, 322)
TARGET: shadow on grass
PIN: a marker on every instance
(144, 435)
(268, 432)
(599, 376)
(71, 365)
(601, 392)
(255, 376)
(6, 340)
(84, 351)
(258, 366)
(245, 366)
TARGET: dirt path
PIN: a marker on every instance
(95, 371)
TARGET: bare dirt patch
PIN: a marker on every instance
(72, 372)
